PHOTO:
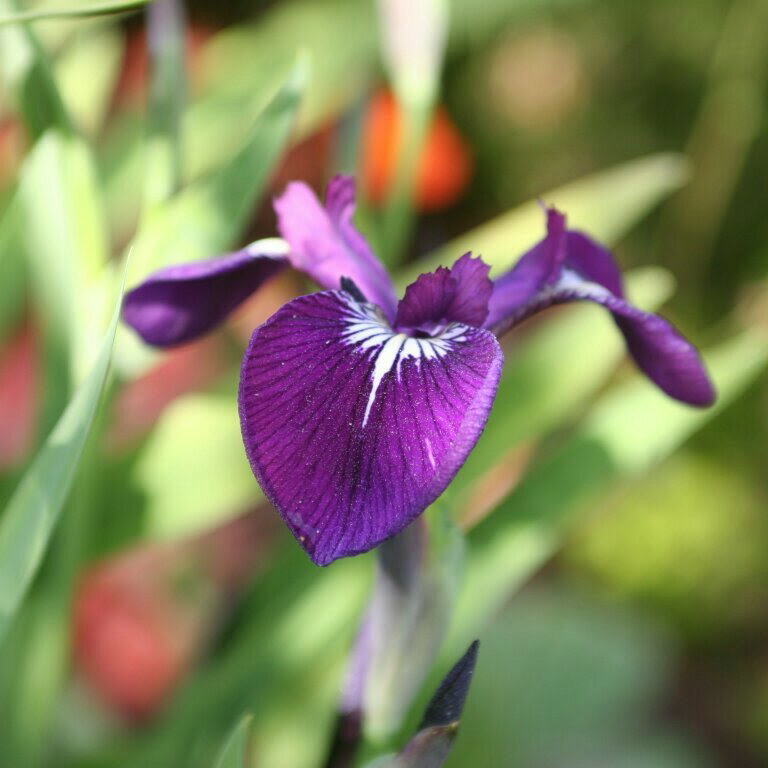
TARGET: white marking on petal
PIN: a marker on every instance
(269, 247)
(385, 360)
(430, 455)
(369, 333)
(573, 281)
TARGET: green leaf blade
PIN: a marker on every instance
(234, 754)
(606, 204)
(35, 507)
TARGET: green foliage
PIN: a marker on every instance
(218, 481)
(75, 10)
(205, 217)
(679, 520)
(606, 205)
(565, 681)
(527, 527)
(576, 449)
(25, 69)
(235, 751)
(31, 515)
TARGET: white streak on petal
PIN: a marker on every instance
(385, 361)
(572, 281)
(269, 247)
(430, 455)
(369, 333)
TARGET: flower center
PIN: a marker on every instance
(369, 333)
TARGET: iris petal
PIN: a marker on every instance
(352, 429)
(459, 294)
(594, 262)
(570, 266)
(179, 303)
(658, 349)
(325, 244)
(535, 269)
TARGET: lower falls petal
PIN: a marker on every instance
(353, 429)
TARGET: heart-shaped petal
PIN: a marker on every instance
(353, 429)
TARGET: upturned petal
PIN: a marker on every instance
(593, 261)
(459, 294)
(179, 303)
(352, 429)
(325, 244)
(570, 266)
(535, 269)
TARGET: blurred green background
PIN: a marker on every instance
(616, 564)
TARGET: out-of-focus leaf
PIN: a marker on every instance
(638, 426)
(561, 676)
(205, 217)
(87, 71)
(212, 127)
(469, 27)
(74, 11)
(65, 242)
(284, 668)
(417, 578)
(193, 469)
(13, 268)
(32, 514)
(26, 72)
(629, 430)
(235, 751)
(605, 204)
(339, 73)
(632, 543)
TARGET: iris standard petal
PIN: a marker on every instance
(352, 429)
(179, 303)
(325, 244)
(535, 269)
(459, 294)
(594, 262)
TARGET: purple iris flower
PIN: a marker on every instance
(357, 410)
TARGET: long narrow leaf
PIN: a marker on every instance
(235, 751)
(25, 69)
(167, 97)
(606, 205)
(205, 217)
(76, 11)
(66, 246)
(34, 509)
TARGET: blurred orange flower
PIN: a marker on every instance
(445, 163)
